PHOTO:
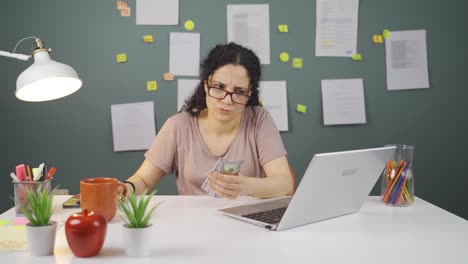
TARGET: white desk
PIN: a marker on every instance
(188, 229)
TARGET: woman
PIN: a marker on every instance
(222, 119)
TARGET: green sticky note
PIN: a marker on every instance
(356, 57)
(151, 85)
(301, 108)
(386, 33)
(283, 28)
(297, 63)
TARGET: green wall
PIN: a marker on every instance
(74, 133)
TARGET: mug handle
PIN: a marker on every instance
(124, 187)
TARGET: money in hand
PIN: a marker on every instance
(225, 167)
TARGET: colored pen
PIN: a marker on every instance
(38, 173)
(51, 172)
(21, 172)
(13, 176)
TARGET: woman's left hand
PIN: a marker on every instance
(228, 186)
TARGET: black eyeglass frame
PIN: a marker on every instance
(226, 93)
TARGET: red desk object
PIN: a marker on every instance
(85, 232)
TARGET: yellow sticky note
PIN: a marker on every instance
(168, 76)
(122, 57)
(283, 28)
(284, 56)
(189, 25)
(148, 38)
(151, 85)
(297, 63)
(386, 33)
(126, 12)
(377, 39)
(356, 57)
(301, 108)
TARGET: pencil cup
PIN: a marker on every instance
(397, 186)
(20, 192)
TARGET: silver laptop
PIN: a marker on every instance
(334, 184)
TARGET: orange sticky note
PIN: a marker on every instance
(168, 76)
(297, 63)
(151, 85)
(121, 4)
(378, 39)
(122, 57)
(126, 12)
(148, 38)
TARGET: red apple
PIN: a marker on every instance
(85, 233)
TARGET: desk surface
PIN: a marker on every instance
(189, 229)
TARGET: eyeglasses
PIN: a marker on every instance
(220, 93)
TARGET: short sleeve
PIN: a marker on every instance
(269, 143)
(163, 150)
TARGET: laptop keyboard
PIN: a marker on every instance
(270, 216)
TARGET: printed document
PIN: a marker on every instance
(406, 60)
(249, 25)
(133, 126)
(343, 102)
(273, 95)
(185, 89)
(336, 28)
(157, 12)
(184, 53)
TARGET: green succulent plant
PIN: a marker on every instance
(38, 207)
(136, 209)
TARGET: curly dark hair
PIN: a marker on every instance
(220, 55)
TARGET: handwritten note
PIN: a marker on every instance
(122, 57)
(13, 239)
(151, 85)
(283, 28)
(297, 63)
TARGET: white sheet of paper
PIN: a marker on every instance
(184, 53)
(133, 125)
(336, 28)
(249, 25)
(185, 89)
(157, 12)
(406, 60)
(343, 102)
(273, 95)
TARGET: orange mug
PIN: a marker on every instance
(100, 195)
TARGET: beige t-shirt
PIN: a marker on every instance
(179, 148)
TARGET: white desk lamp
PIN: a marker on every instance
(45, 79)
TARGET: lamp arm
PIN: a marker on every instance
(14, 55)
(20, 56)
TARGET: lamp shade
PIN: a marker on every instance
(46, 80)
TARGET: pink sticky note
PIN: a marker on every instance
(20, 221)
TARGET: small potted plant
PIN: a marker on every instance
(40, 231)
(137, 227)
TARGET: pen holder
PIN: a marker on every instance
(20, 192)
(397, 185)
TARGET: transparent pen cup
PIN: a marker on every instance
(397, 185)
(20, 189)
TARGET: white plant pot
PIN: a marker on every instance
(41, 239)
(137, 241)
